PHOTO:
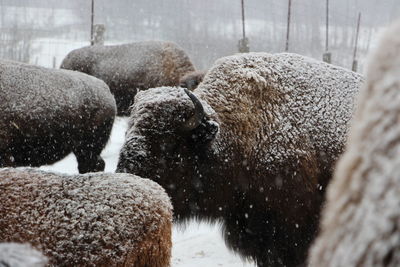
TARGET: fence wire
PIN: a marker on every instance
(43, 31)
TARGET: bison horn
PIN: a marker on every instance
(199, 114)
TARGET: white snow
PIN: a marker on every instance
(200, 244)
(20, 255)
(49, 52)
(40, 16)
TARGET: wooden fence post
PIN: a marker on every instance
(354, 66)
(98, 34)
(288, 25)
(327, 56)
(244, 42)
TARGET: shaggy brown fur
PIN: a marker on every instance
(192, 80)
(87, 220)
(361, 220)
(47, 114)
(131, 67)
(261, 156)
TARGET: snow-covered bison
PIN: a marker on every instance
(192, 79)
(94, 219)
(254, 146)
(47, 114)
(20, 255)
(360, 224)
(131, 67)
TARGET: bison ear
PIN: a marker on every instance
(205, 132)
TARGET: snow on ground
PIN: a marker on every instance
(49, 52)
(199, 244)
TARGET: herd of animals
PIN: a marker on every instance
(297, 158)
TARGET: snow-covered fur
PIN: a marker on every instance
(262, 155)
(96, 219)
(192, 79)
(20, 255)
(131, 67)
(47, 114)
(360, 224)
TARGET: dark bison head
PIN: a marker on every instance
(168, 140)
(192, 79)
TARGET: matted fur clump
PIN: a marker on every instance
(20, 255)
(253, 146)
(131, 67)
(47, 114)
(361, 221)
(97, 219)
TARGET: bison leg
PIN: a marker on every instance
(264, 235)
(248, 237)
(88, 149)
(90, 163)
(124, 100)
(7, 160)
(88, 156)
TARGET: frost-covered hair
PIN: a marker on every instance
(45, 114)
(281, 102)
(128, 68)
(97, 219)
(361, 220)
(20, 255)
(259, 156)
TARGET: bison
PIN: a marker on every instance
(47, 114)
(94, 219)
(254, 147)
(131, 67)
(192, 79)
(360, 224)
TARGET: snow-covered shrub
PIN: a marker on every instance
(360, 223)
(97, 219)
(20, 255)
(192, 79)
(256, 151)
(131, 67)
(47, 114)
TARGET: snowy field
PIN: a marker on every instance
(197, 245)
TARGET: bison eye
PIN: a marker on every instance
(164, 147)
(168, 146)
(205, 133)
